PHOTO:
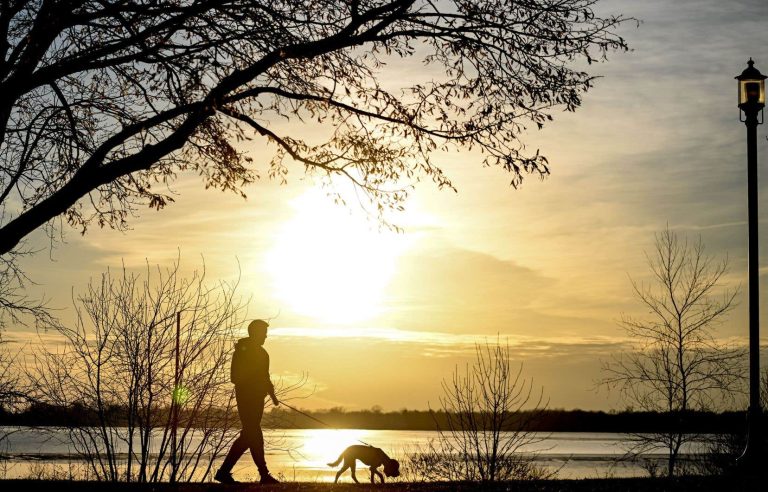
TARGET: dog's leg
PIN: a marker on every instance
(352, 469)
(342, 470)
(373, 470)
(380, 475)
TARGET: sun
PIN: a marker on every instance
(331, 263)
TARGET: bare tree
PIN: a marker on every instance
(104, 103)
(20, 310)
(12, 390)
(15, 306)
(162, 413)
(486, 430)
(677, 365)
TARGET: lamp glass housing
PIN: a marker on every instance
(751, 91)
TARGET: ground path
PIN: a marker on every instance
(695, 484)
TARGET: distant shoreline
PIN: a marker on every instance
(544, 421)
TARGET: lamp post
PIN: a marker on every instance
(751, 103)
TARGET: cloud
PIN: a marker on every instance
(442, 344)
(395, 373)
(444, 288)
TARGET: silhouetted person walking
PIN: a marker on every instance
(250, 373)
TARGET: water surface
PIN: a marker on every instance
(302, 454)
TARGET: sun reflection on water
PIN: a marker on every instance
(322, 446)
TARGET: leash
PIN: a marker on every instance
(317, 420)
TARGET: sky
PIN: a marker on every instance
(380, 318)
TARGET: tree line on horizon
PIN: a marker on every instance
(545, 420)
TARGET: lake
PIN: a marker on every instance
(30, 452)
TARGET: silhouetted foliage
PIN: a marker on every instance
(103, 104)
(677, 365)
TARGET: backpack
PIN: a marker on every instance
(242, 362)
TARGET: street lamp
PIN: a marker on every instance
(751, 103)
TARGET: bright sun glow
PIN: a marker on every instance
(331, 264)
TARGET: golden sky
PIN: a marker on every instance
(378, 318)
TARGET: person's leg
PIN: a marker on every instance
(239, 446)
(251, 418)
(255, 436)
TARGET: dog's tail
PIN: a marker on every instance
(338, 460)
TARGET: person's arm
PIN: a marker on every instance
(272, 394)
(271, 386)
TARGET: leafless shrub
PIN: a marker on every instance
(486, 433)
(677, 365)
(14, 394)
(163, 413)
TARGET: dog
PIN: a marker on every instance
(373, 457)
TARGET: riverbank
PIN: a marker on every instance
(699, 484)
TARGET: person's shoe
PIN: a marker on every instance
(267, 479)
(224, 477)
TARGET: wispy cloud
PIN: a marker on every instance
(434, 343)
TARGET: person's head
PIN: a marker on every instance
(257, 330)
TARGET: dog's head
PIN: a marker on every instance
(392, 468)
